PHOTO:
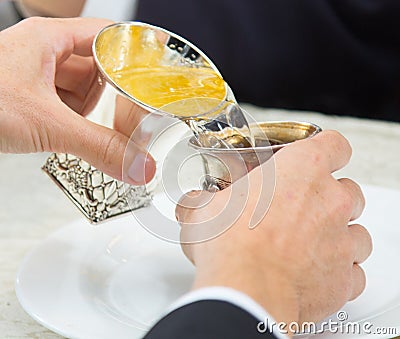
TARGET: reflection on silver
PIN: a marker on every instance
(114, 49)
(223, 166)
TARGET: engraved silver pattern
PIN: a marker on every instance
(97, 195)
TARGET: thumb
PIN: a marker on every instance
(193, 231)
(106, 149)
(182, 213)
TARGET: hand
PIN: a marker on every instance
(302, 260)
(46, 72)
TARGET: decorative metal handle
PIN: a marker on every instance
(97, 195)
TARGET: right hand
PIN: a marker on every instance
(47, 69)
(302, 261)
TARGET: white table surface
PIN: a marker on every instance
(32, 207)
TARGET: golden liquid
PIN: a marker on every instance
(182, 91)
(193, 94)
(143, 67)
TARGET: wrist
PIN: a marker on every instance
(274, 293)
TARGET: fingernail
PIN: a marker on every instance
(138, 171)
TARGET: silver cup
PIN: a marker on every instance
(98, 196)
(223, 166)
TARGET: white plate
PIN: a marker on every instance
(115, 280)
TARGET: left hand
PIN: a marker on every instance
(302, 261)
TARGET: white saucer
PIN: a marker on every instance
(115, 280)
(107, 281)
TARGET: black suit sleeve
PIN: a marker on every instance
(208, 319)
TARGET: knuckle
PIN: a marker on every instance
(355, 192)
(345, 202)
(367, 239)
(360, 196)
(348, 248)
(315, 157)
(334, 134)
(34, 24)
(370, 243)
(359, 281)
(34, 20)
(337, 140)
(363, 278)
(110, 149)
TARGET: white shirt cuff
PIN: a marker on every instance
(231, 296)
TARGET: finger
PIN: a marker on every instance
(328, 149)
(181, 215)
(75, 80)
(128, 116)
(104, 148)
(356, 195)
(73, 100)
(53, 41)
(362, 243)
(63, 37)
(74, 36)
(190, 201)
(204, 215)
(358, 281)
(188, 251)
(75, 74)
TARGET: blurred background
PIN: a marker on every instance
(337, 57)
(8, 14)
(12, 11)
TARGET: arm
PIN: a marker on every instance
(211, 319)
(53, 8)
